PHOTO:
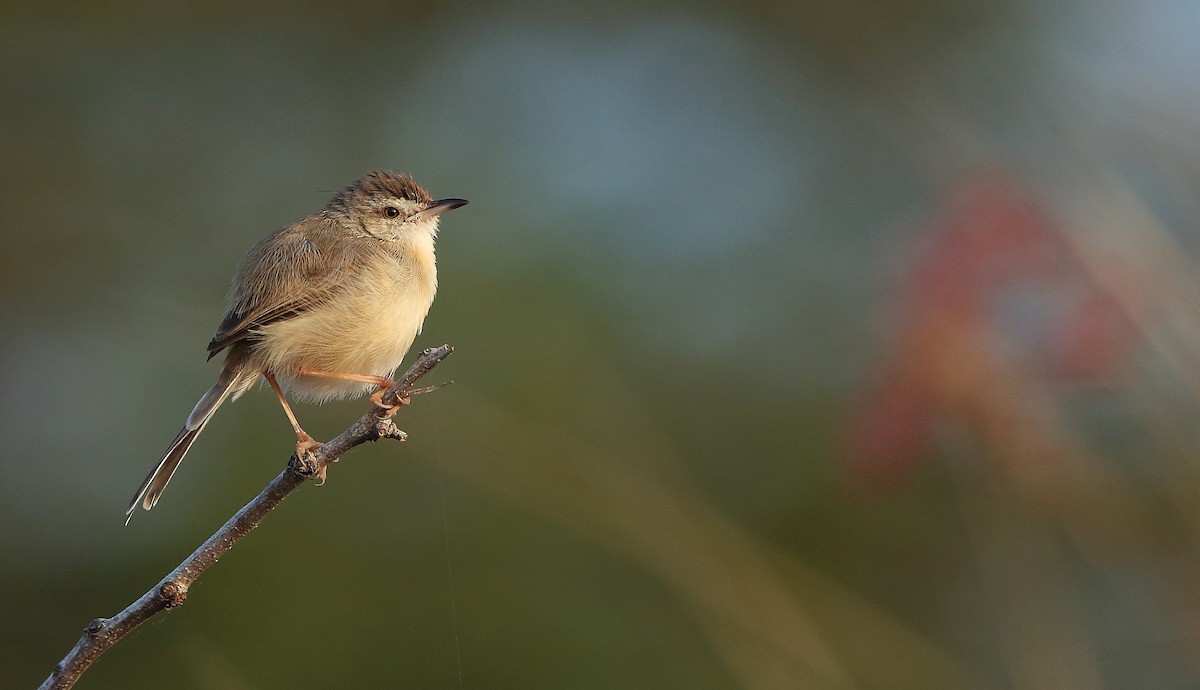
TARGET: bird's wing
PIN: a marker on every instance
(283, 276)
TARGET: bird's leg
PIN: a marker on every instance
(383, 382)
(304, 442)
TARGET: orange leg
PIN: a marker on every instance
(304, 442)
(383, 382)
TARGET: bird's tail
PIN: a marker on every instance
(233, 379)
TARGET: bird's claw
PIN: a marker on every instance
(377, 400)
(305, 445)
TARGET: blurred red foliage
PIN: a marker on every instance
(997, 295)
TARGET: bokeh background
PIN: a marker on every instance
(823, 345)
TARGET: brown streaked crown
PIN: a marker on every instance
(385, 183)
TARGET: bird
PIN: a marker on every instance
(325, 308)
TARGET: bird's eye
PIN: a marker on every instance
(391, 211)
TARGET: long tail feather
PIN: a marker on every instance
(233, 378)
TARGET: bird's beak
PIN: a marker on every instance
(437, 208)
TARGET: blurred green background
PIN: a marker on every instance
(823, 345)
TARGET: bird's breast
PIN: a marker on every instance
(365, 327)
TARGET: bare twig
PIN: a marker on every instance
(171, 591)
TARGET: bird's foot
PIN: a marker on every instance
(305, 445)
(377, 400)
